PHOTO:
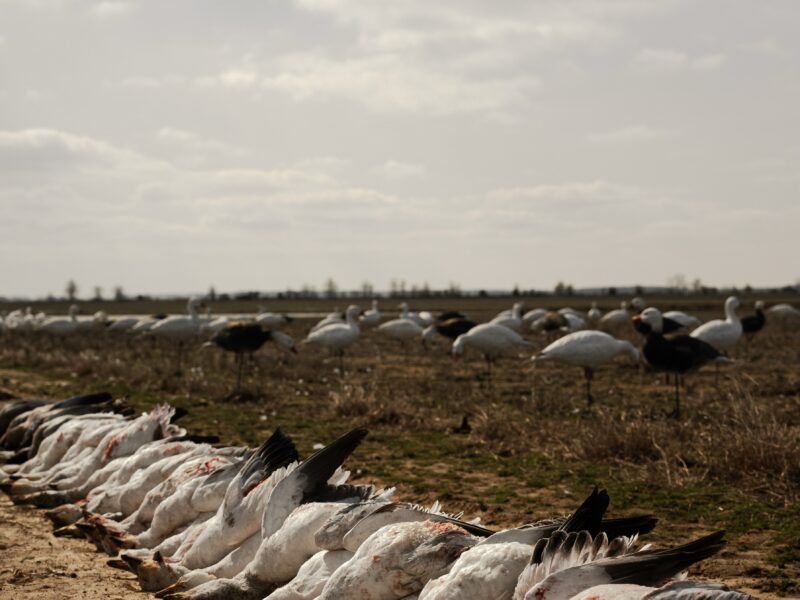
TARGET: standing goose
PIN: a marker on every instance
(413, 316)
(491, 340)
(372, 317)
(513, 321)
(338, 336)
(247, 337)
(63, 326)
(594, 315)
(752, 324)
(587, 349)
(679, 354)
(723, 335)
(180, 328)
(616, 320)
(401, 329)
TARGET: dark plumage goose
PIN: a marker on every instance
(752, 324)
(679, 354)
(247, 337)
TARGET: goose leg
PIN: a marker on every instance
(341, 362)
(180, 358)
(588, 373)
(676, 414)
(240, 364)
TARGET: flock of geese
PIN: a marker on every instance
(197, 521)
(675, 342)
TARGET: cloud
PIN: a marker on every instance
(197, 147)
(631, 134)
(660, 59)
(109, 9)
(394, 169)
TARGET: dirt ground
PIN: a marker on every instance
(34, 565)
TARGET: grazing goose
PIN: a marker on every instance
(638, 304)
(401, 329)
(616, 320)
(752, 324)
(405, 313)
(587, 349)
(449, 328)
(570, 564)
(568, 310)
(123, 324)
(331, 318)
(723, 335)
(784, 312)
(513, 321)
(680, 354)
(338, 336)
(372, 317)
(63, 326)
(684, 320)
(270, 320)
(491, 340)
(532, 316)
(247, 337)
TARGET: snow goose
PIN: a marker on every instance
(675, 590)
(247, 337)
(449, 328)
(397, 560)
(533, 315)
(684, 320)
(123, 323)
(180, 329)
(752, 324)
(271, 320)
(315, 479)
(616, 320)
(723, 335)
(338, 336)
(594, 315)
(679, 354)
(372, 317)
(331, 318)
(405, 313)
(638, 304)
(491, 570)
(587, 349)
(401, 329)
(569, 565)
(513, 321)
(491, 340)
(784, 312)
(62, 326)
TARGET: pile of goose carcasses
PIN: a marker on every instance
(193, 520)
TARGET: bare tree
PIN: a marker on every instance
(119, 294)
(331, 289)
(72, 290)
(98, 294)
(367, 289)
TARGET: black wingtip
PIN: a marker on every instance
(86, 400)
(628, 526)
(321, 465)
(589, 515)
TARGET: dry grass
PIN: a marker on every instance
(733, 461)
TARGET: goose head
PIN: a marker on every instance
(638, 304)
(73, 312)
(731, 304)
(629, 350)
(652, 318)
(352, 313)
(623, 305)
(759, 305)
(458, 346)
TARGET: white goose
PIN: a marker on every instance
(784, 311)
(587, 349)
(372, 317)
(338, 336)
(413, 316)
(594, 315)
(62, 326)
(615, 320)
(271, 320)
(675, 590)
(491, 340)
(401, 329)
(331, 318)
(723, 335)
(180, 328)
(686, 321)
(533, 315)
(513, 321)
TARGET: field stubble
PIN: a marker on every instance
(532, 449)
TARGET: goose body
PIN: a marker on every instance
(513, 321)
(180, 328)
(124, 324)
(62, 326)
(450, 328)
(401, 329)
(416, 317)
(686, 321)
(594, 315)
(722, 334)
(615, 320)
(490, 339)
(372, 317)
(752, 324)
(675, 590)
(337, 336)
(784, 311)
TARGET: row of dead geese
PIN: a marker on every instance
(191, 520)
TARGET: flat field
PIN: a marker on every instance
(533, 448)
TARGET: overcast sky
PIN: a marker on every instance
(167, 145)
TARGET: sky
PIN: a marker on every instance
(169, 145)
